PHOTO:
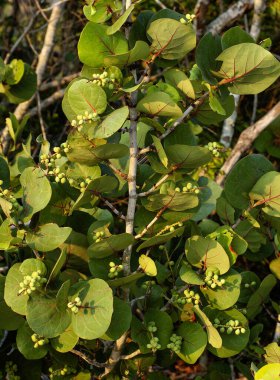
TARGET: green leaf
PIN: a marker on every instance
(161, 153)
(246, 292)
(206, 253)
(206, 115)
(188, 275)
(193, 343)
(5, 235)
(14, 72)
(248, 68)
(148, 265)
(227, 295)
(207, 51)
(159, 103)
(178, 78)
(13, 279)
(175, 202)
(266, 192)
(160, 239)
(66, 341)
(125, 281)
(170, 38)
(104, 45)
(121, 320)
(26, 346)
(9, 320)
(225, 210)
(94, 316)
(108, 151)
(188, 157)
(85, 96)
(47, 237)
(111, 124)
(214, 337)
(58, 266)
(243, 177)
(120, 21)
(25, 88)
(47, 315)
(107, 246)
(29, 266)
(4, 173)
(260, 296)
(268, 372)
(215, 104)
(235, 36)
(140, 51)
(232, 344)
(37, 191)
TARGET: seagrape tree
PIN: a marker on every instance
(123, 253)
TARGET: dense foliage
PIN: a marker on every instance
(123, 254)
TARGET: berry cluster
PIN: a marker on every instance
(148, 284)
(214, 148)
(188, 188)
(104, 80)
(38, 340)
(88, 117)
(247, 285)
(98, 236)
(11, 370)
(175, 343)
(31, 283)
(74, 305)
(114, 269)
(192, 297)
(212, 279)
(232, 326)
(61, 372)
(154, 341)
(189, 18)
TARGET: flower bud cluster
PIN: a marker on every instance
(11, 369)
(114, 269)
(192, 297)
(212, 279)
(231, 326)
(154, 341)
(214, 148)
(188, 188)
(39, 341)
(104, 80)
(87, 117)
(175, 343)
(74, 305)
(31, 283)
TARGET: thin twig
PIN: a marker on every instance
(113, 208)
(156, 185)
(39, 109)
(88, 360)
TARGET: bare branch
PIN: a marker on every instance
(246, 139)
(132, 355)
(43, 58)
(230, 15)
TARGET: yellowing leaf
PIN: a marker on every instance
(148, 265)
